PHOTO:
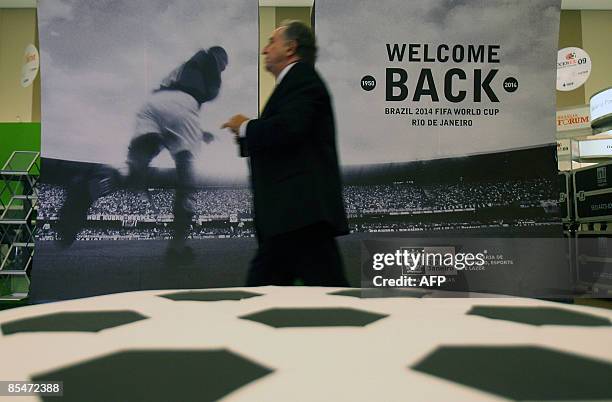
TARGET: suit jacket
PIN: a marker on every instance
(294, 164)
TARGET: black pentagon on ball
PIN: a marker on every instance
(210, 295)
(314, 317)
(156, 375)
(521, 372)
(539, 315)
(72, 321)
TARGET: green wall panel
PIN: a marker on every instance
(17, 137)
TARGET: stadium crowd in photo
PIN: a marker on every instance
(399, 206)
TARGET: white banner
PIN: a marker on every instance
(600, 148)
(434, 79)
(601, 108)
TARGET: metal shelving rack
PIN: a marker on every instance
(18, 206)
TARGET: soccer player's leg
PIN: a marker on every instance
(144, 146)
(141, 151)
(182, 136)
(183, 208)
(82, 192)
(103, 180)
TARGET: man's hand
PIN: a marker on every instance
(234, 123)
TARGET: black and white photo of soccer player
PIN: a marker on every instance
(168, 120)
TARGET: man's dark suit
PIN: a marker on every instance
(296, 184)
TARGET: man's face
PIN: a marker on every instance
(277, 52)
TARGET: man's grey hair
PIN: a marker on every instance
(304, 37)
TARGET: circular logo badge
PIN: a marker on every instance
(31, 63)
(368, 83)
(510, 84)
(573, 68)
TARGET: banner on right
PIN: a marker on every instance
(445, 112)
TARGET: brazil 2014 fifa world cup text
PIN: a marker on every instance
(398, 80)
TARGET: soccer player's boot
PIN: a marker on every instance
(81, 194)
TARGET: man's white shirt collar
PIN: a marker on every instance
(284, 72)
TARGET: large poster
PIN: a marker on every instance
(440, 105)
(450, 78)
(118, 69)
(445, 126)
(445, 120)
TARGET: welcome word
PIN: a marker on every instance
(397, 79)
